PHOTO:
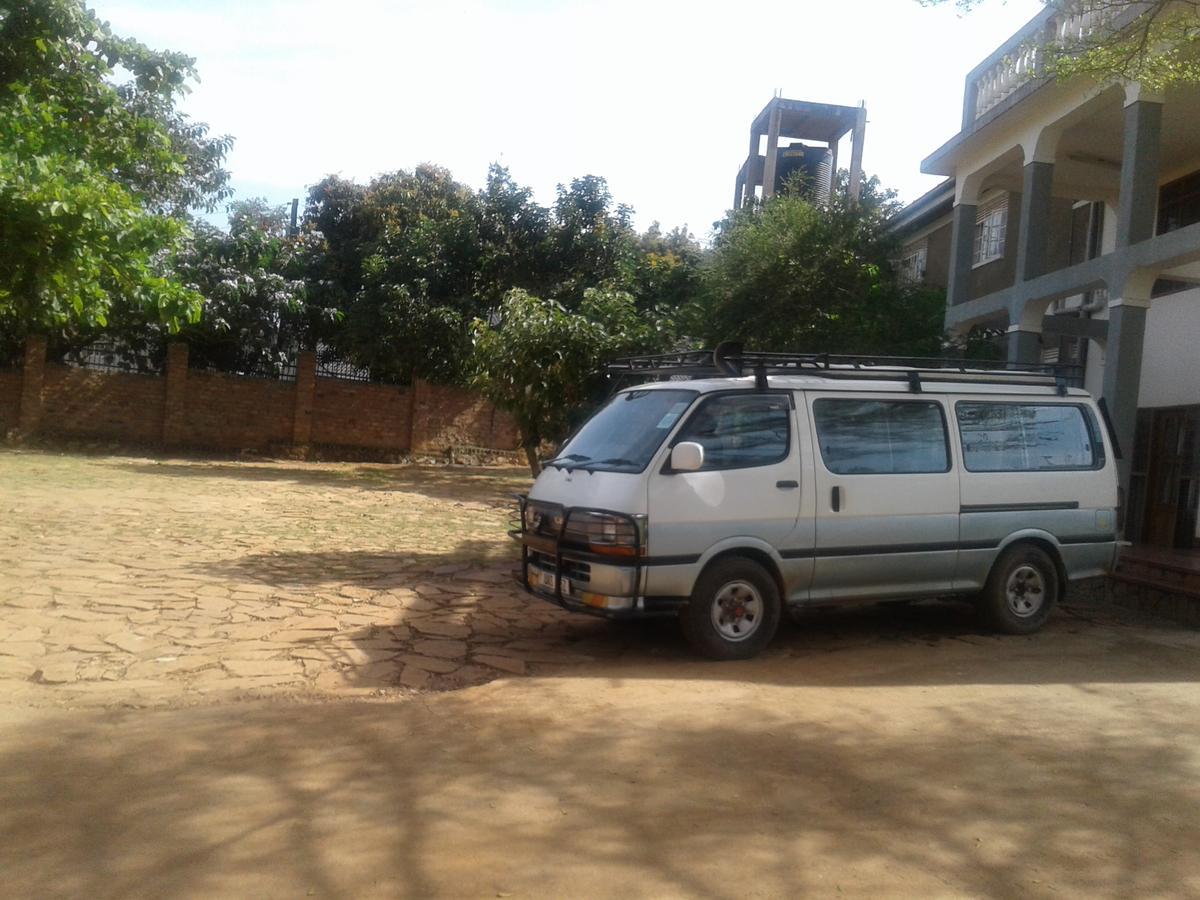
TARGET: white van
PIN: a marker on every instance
(819, 481)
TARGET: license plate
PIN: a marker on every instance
(540, 578)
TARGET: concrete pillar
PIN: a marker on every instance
(856, 152)
(1024, 347)
(33, 374)
(1123, 373)
(747, 192)
(175, 401)
(833, 163)
(772, 153)
(1140, 167)
(1033, 230)
(306, 395)
(962, 244)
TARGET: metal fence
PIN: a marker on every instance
(110, 356)
(330, 365)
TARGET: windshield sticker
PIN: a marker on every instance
(672, 415)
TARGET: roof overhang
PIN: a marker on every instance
(805, 120)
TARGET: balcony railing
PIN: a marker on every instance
(1021, 60)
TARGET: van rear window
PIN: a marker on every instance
(881, 437)
(1027, 437)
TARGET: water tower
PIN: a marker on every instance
(813, 132)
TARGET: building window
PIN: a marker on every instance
(1179, 203)
(912, 263)
(990, 226)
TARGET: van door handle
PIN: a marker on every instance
(787, 485)
(835, 499)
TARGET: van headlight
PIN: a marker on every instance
(601, 532)
(538, 518)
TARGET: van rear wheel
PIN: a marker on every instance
(734, 610)
(1020, 591)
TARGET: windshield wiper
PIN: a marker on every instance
(570, 457)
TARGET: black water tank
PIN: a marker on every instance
(815, 165)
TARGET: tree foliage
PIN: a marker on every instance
(414, 257)
(255, 312)
(93, 174)
(544, 363)
(793, 275)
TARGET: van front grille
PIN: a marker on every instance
(576, 571)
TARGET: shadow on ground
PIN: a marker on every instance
(924, 643)
(446, 482)
(554, 789)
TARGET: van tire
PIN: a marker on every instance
(1021, 590)
(733, 594)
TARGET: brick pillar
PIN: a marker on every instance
(33, 374)
(175, 404)
(418, 420)
(306, 394)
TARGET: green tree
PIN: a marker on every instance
(544, 363)
(93, 174)
(592, 242)
(1155, 42)
(414, 257)
(666, 269)
(256, 312)
(514, 234)
(792, 275)
(402, 258)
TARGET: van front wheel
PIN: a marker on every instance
(734, 610)
(1021, 590)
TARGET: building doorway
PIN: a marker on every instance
(1171, 476)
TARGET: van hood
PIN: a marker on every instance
(616, 491)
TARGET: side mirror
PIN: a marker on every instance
(687, 457)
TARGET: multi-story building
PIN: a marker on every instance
(1070, 221)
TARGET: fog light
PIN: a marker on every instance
(600, 601)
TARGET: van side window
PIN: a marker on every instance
(882, 437)
(1027, 437)
(740, 431)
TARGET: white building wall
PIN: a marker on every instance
(1171, 352)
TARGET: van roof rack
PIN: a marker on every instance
(729, 360)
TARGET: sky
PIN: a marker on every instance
(657, 96)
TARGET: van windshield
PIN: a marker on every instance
(626, 431)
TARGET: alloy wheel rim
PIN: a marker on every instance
(737, 611)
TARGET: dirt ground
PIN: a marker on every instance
(884, 752)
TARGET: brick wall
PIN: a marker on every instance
(10, 399)
(371, 415)
(97, 404)
(231, 412)
(445, 417)
(207, 410)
